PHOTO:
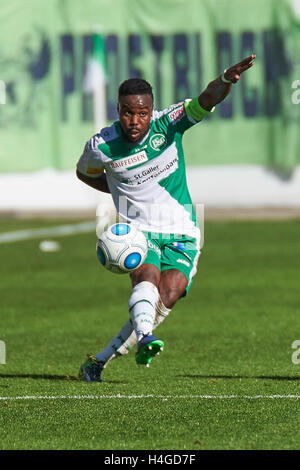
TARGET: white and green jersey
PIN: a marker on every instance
(147, 180)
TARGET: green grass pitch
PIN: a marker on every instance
(226, 379)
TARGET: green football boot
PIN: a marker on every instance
(148, 347)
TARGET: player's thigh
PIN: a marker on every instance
(180, 256)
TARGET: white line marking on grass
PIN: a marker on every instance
(60, 230)
(133, 397)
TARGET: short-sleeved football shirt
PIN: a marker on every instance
(147, 180)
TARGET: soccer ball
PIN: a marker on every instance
(121, 248)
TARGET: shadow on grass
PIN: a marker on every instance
(67, 378)
(185, 376)
(262, 377)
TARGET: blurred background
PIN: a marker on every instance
(61, 63)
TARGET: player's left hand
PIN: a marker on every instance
(233, 73)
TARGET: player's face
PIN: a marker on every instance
(135, 113)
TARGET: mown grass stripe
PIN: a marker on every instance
(60, 230)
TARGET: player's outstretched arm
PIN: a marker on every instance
(98, 183)
(219, 88)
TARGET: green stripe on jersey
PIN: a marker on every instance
(150, 175)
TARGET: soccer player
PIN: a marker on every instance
(139, 159)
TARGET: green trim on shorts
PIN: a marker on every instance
(173, 251)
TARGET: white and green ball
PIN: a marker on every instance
(122, 248)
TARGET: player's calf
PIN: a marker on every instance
(172, 286)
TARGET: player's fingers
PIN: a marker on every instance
(246, 67)
(247, 60)
(232, 74)
(244, 62)
(238, 69)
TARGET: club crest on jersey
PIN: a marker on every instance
(158, 142)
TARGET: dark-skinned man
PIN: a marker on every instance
(140, 161)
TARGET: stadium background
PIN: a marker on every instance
(245, 157)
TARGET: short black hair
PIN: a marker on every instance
(135, 86)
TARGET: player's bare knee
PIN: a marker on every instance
(147, 272)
